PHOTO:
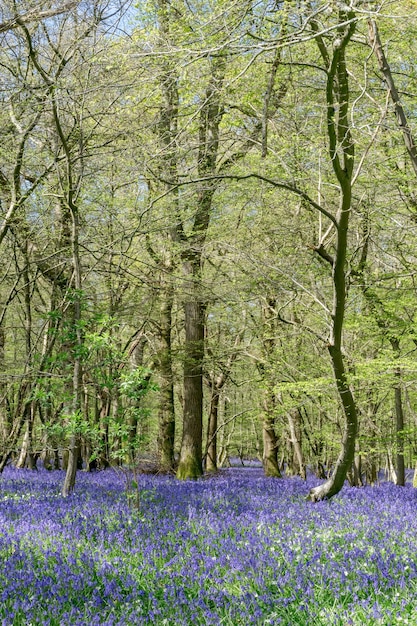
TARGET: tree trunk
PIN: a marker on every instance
(294, 422)
(167, 161)
(191, 464)
(166, 413)
(390, 468)
(399, 430)
(77, 386)
(344, 462)
(355, 474)
(5, 421)
(226, 435)
(136, 426)
(211, 113)
(26, 457)
(211, 456)
(24, 450)
(102, 409)
(415, 477)
(270, 448)
(357, 468)
(269, 438)
(166, 426)
(341, 149)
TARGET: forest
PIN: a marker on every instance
(208, 216)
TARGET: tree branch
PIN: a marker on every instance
(265, 179)
(399, 109)
(36, 15)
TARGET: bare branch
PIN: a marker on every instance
(409, 141)
(322, 252)
(265, 179)
(35, 15)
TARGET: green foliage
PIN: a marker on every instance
(137, 383)
(70, 424)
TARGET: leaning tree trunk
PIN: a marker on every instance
(341, 149)
(27, 458)
(344, 462)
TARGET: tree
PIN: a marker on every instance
(341, 153)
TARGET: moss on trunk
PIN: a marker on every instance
(189, 468)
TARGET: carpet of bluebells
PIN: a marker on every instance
(236, 549)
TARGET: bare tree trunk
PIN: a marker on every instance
(390, 467)
(399, 430)
(212, 428)
(415, 477)
(226, 435)
(77, 386)
(270, 446)
(24, 450)
(166, 435)
(294, 422)
(269, 437)
(355, 473)
(103, 421)
(357, 468)
(191, 463)
(27, 457)
(5, 423)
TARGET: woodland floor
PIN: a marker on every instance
(237, 549)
